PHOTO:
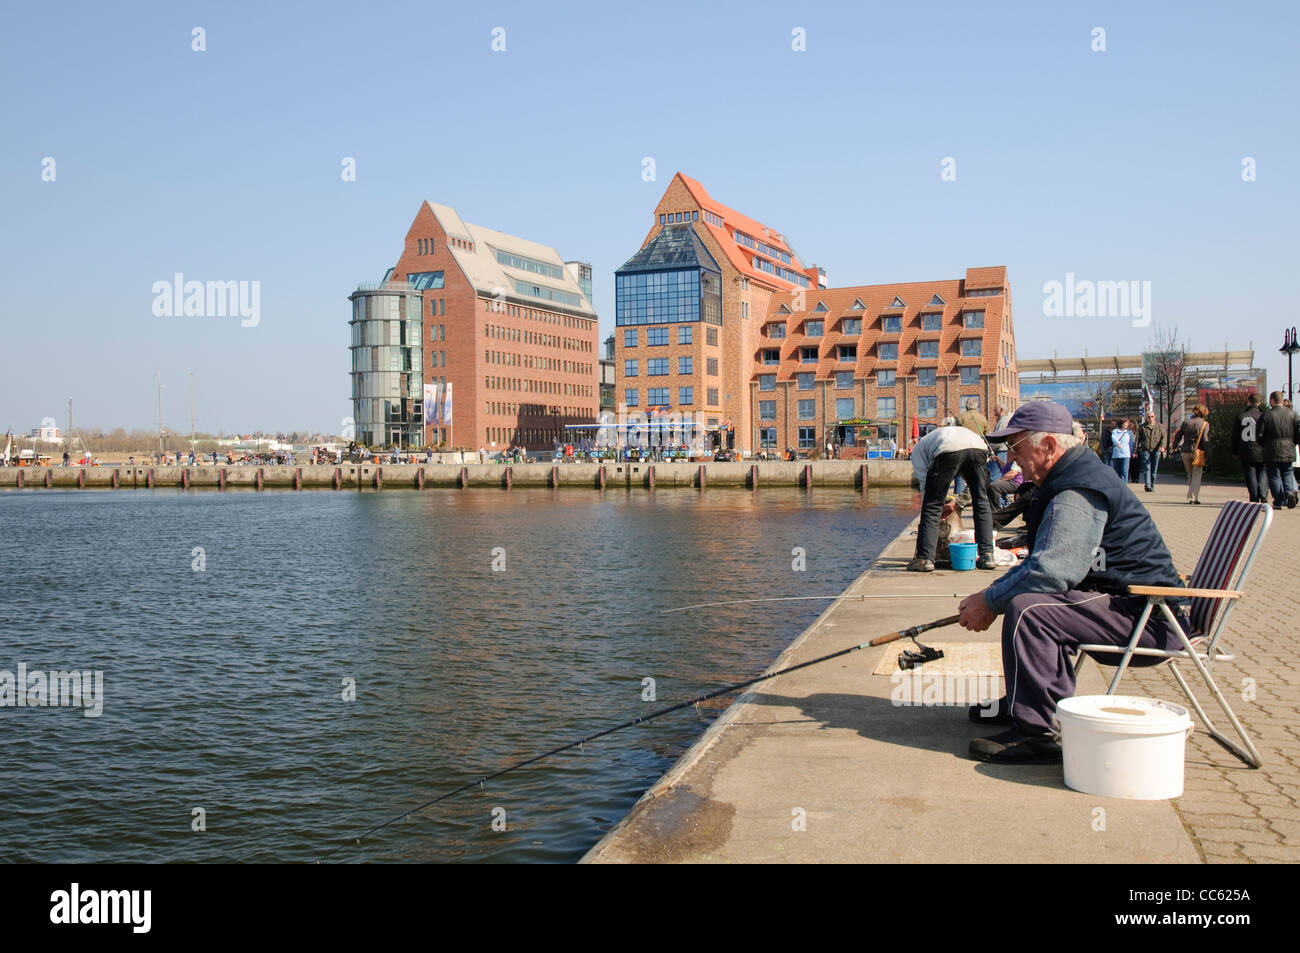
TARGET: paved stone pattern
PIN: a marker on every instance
(1237, 814)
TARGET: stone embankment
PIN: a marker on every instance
(375, 476)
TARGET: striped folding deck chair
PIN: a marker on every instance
(1213, 589)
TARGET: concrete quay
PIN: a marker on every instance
(385, 476)
(821, 766)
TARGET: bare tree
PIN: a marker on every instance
(1164, 368)
(1101, 401)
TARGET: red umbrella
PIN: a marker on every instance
(916, 429)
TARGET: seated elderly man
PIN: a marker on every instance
(939, 456)
(1089, 539)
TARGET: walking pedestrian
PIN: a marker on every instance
(1249, 451)
(1150, 443)
(1279, 433)
(1121, 448)
(1193, 443)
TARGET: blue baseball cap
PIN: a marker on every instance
(1043, 416)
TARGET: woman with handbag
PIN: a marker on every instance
(1193, 442)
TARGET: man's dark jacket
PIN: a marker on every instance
(1248, 451)
(1133, 551)
(1278, 431)
(1150, 437)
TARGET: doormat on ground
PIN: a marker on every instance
(960, 659)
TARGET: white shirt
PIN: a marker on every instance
(942, 440)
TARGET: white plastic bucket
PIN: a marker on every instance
(1122, 746)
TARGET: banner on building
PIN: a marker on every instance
(431, 405)
(446, 405)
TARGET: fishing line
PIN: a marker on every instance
(911, 633)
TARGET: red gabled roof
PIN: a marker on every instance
(741, 258)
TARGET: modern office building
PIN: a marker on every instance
(875, 363)
(387, 364)
(1113, 383)
(689, 305)
(510, 343)
(717, 315)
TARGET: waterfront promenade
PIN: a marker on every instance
(821, 766)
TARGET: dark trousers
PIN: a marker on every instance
(1256, 481)
(970, 463)
(1150, 464)
(1041, 631)
(1280, 480)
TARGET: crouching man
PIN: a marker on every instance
(1089, 540)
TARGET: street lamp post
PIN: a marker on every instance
(1289, 347)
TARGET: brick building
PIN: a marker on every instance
(689, 306)
(855, 365)
(717, 315)
(509, 325)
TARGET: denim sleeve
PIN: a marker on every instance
(1063, 552)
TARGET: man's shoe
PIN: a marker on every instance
(920, 564)
(1016, 746)
(993, 713)
(1291, 500)
(986, 562)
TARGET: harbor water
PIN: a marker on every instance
(282, 670)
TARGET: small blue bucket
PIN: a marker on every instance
(962, 555)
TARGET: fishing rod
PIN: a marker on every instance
(736, 602)
(908, 659)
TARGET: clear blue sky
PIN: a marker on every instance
(225, 165)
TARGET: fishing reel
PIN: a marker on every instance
(907, 659)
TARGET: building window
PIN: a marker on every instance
(927, 405)
(972, 319)
(972, 347)
(851, 326)
(695, 216)
(888, 352)
(970, 375)
(931, 322)
(807, 355)
(926, 376)
(885, 379)
(631, 396)
(686, 395)
(629, 337)
(684, 334)
(711, 337)
(771, 356)
(927, 350)
(885, 407)
(971, 403)
(805, 381)
(767, 410)
(713, 397)
(775, 331)
(684, 364)
(657, 396)
(843, 380)
(656, 337)
(848, 352)
(807, 438)
(657, 367)
(892, 325)
(767, 438)
(813, 329)
(661, 219)
(629, 369)
(767, 382)
(843, 408)
(711, 366)
(744, 309)
(808, 409)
